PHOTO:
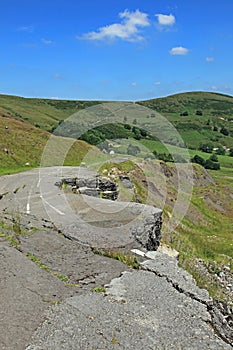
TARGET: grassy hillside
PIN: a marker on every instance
(43, 113)
(22, 143)
(198, 116)
(209, 102)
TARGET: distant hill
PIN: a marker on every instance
(42, 113)
(211, 103)
(200, 117)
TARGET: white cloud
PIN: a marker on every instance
(213, 87)
(134, 83)
(157, 83)
(46, 41)
(166, 20)
(127, 30)
(28, 29)
(179, 50)
(209, 59)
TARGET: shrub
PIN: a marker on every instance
(127, 126)
(213, 158)
(220, 151)
(224, 131)
(207, 147)
(209, 164)
(184, 114)
(199, 160)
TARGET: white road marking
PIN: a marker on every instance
(51, 206)
(28, 203)
(28, 208)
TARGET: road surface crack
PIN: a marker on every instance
(220, 313)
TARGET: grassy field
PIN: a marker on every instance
(225, 161)
(22, 145)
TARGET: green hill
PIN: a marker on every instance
(42, 113)
(22, 144)
(200, 117)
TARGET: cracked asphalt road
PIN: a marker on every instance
(139, 311)
(157, 307)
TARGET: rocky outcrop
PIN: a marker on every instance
(148, 234)
(96, 187)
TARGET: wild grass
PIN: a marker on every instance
(22, 147)
(129, 260)
(39, 263)
(13, 170)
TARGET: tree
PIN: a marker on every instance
(231, 152)
(214, 158)
(209, 164)
(127, 126)
(143, 132)
(207, 147)
(166, 157)
(199, 112)
(184, 114)
(220, 151)
(224, 131)
(137, 133)
(199, 160)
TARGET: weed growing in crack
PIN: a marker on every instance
(114, 341)
(99, 289)
(72, 285)
(129, 260)
(39, 263)
(61, 277)
(14, 242)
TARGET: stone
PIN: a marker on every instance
(126, 182)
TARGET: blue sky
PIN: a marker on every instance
(115, 50)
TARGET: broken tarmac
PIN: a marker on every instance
(158, 306)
